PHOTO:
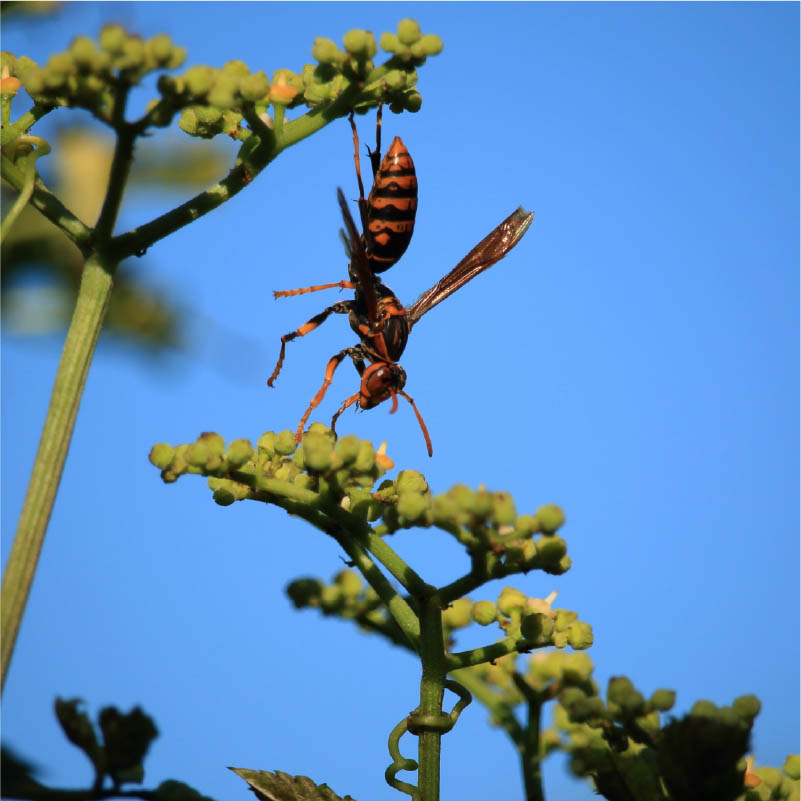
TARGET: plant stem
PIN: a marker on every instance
(431, 691)
(90, 309)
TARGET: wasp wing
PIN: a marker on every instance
(490, 249)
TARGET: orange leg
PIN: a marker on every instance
(352, 399)
(285, 293)
(343, 307)
(330, 369)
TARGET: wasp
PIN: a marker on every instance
(383, 338)
(387, 217)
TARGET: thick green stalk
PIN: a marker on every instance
(79, 347)
(432, 687)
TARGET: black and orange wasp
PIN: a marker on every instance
(376, 315)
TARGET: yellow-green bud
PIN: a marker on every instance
(235, 68)
(161, 455)
(411, 507)
(408, 31)
(112, 39)
(792, 766)
(579, 635)
(430, 44)
(551, 548)
(266, 443)
(412, 101)
(254, 87)
(317, 451)
(511, 600)
(503, 509)
(160, 48)
(176, 59)
(197, 454)
(223, 496)
(60, 64)
(239, 452)
(564, 617)
(663, 700)
(360, 44)
(389, 42)
(34, 80)
(223, 93)
(347, 448)
(395, 80)
(484, 612)
(326, 51)
(747, 706)
(576, 668)
(411, 481)
(83, 51)
(550, 518)
(365, 459)
(133, 54)
(458, 614)
(199, 79)
(331, 597)
(285, 443)
(537, 629)
(305, 592)
(350, 583)
(704, 709)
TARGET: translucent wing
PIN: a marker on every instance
(490, 249)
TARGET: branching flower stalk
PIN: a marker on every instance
(228, 101)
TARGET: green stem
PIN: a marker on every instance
(432, 685)
(531, 754)
(90, 309)
(21, 126)
(475, 656)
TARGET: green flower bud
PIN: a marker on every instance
(347, 448)
(133, 54)
(199, 80)
(430, 44)
(223, 93)
(176, 59)
(161, 455)
(663, 700)
(100, 63)
(747, 706)
(197, 454)
(317, 451)
(395, 80)
(254, 87)
(576, 668)
(411, 481)
(564, 618)
(579, 635)
(389, 42)
(484, 612)
(503, 509)
(412, 101)
(704, 709)
(408, 31)
(792, 766)
(22, 65)
(159, 48)
(326, 51)
(551, 549)
(239, 452)
(60, 64)
(223, 496)
(305, 592)
(8, 61)
(458, 614)
(360, 44)
(266, 443)
(350, 582)
(365, 459)
(511, 600)
(112, 39)
(537, 629)
(83, 50)
(213, 441)
(550, 518)
(235, 68)
(34, 81)
(412, 506)
(285, 443)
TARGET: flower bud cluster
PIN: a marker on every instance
(347, 596)
(771, 784)
(349, 465)
(88, 72)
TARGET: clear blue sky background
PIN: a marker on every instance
(634, 360)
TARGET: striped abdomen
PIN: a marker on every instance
(391, 207)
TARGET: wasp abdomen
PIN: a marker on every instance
(391, 207)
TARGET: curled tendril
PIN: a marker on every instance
(400, 762)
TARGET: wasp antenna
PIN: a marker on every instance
(423, 428)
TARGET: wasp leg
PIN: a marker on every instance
(375, 155)
(362, 201)
(343, 307)
(356, 354)
(285, 293)
(351, 400)
(420, 420)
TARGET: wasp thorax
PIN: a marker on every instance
(379, 382)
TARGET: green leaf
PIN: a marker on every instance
(127, 739)
(280, 786)
(78, 729)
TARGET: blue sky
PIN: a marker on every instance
(634, 360)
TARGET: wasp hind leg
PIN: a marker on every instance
(343, 307)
